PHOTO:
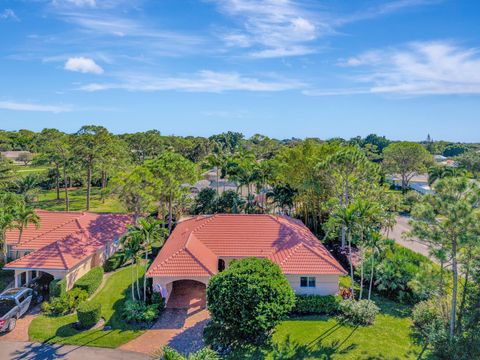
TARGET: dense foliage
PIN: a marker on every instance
(167, 353)
(315, 304)
(136, 311)
(57, 287)
(115, 261)
(90, 281)
(357, 313)
(65, 303)
(246, 301)
(89, 313)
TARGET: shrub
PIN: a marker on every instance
(90, 281)
(57, 288)
(315, 304)
(246, 301)
(115, 261)
(66, 303)
(405, 276)
(89, 313)
(138, 311)
(167, 353)
(158, 299)
(357, 313)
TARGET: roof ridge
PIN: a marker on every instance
(198, 261)
(56, 243)
(292, 252)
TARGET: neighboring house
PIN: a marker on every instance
(65, 245)
(16, 156)
(205, 245)
(418, 183)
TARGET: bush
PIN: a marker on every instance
(167, 353)
(157, 299)
(357, 313)
(66, 303)
(90, 281)
(315, 304)
(138, 311)
(115, 261)
(57, 288)
(89, 313)
(246, 301)
(404, 276)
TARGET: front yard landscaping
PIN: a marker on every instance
(112, 296)
(321, 337)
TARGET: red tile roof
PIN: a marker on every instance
(194, 247)
(65, 239)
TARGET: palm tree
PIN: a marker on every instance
(375, 244)
(25, 216)
(148, 231)
(131, 243)
(9, 205)
(347, 218)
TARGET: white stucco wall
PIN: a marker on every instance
(325, 284)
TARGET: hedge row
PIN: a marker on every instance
(315, 304)
(89, 313)
(57, 288)
(114, 261)
(91, 280)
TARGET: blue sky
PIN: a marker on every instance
(312, 68)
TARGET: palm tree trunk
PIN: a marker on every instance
(133, 282)
(65, 185)
(57, 181)
(170, 212)
(371, 276)
(349, 236)
(361, 276)
(144, 277)
(138, 284)
(454, 290)
(4, 247)
(89, 185)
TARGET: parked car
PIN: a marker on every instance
(13, 304)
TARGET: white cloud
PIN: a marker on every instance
(420, 68)
(20, 106)
(77, 3)
(203, 81)
(8, 14)
(83, 65)
(279, 27)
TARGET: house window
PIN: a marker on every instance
(221, 265)
(309, 281)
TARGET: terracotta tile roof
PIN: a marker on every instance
(64, 241)
(194, 247)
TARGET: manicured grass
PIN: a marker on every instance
(30, 169)
(6, 277)
(111, 297)
(77, 199)
(321, 337)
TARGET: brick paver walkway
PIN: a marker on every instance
(181, 324)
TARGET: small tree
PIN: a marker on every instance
(406, 159)
(246, 302)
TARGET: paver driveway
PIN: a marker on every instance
(181, 324)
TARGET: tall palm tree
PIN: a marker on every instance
(131, 243)
(25, 216)
(148, 231)
(347, 218)
(375, 244)
(9, 205)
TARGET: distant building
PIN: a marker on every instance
(16, 156)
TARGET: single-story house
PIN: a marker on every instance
(65, 245)
(205, 245)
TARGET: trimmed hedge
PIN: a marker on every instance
(91, 280)
(115, 261)
(89, 313)
(64, 304)
(57, 287)
(315, 304)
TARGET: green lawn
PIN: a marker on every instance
(30, 169)
(111, 296)
(77, 198)
(321, 337)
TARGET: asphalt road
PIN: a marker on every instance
(411, 243)
(16, 350)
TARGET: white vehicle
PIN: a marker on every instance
(13, 304)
